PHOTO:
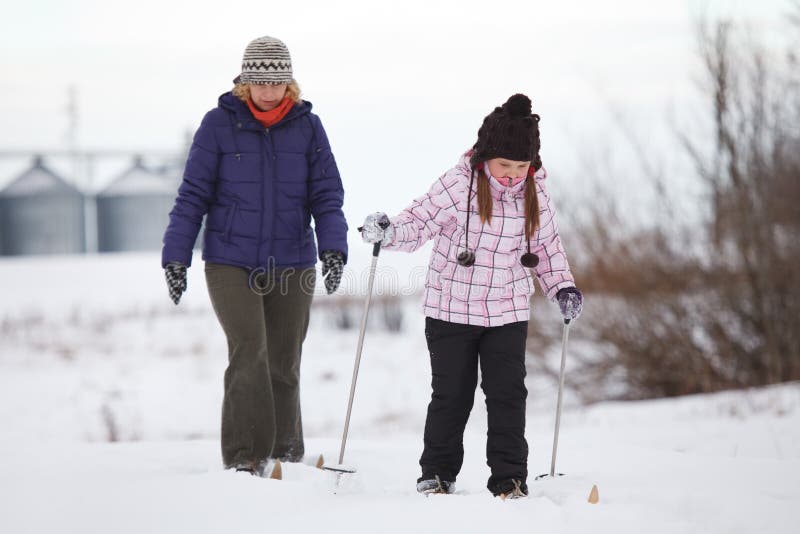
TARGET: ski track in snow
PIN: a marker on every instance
(97, 352)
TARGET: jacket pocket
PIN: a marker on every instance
(240, 167)
(301, 226)
(479, 282)
(229, 222)
(290, 224)
(436, 268)
(522, 283)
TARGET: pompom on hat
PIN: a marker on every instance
(511, 131)
(266, 61)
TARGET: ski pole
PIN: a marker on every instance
(558, 402)
(560, 395)
(376, 249)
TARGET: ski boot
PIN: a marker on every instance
(510, 489)
(436, 485)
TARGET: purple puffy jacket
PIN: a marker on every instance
(258, 189)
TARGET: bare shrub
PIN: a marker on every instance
(109, 423)
(676, 309)
(392, 314)
(345, 312)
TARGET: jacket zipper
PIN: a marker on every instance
(268, 140)
(270, 155)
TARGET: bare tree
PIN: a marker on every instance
(678, 309)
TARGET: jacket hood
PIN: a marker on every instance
(232, 103)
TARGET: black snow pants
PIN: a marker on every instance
(265, 332)
(456, 351)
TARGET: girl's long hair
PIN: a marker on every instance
(531, 201)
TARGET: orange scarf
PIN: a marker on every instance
(273, 116)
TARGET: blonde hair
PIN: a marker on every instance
(242, 91)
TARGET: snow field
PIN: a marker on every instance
(92, 350)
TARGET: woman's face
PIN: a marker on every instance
(506, 168)
(267, 97)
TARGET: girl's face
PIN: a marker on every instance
(502, 168)
(267, 97)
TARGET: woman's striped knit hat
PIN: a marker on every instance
(266, 61)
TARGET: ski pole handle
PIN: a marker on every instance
(376, 247)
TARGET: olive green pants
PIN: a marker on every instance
(265, 329)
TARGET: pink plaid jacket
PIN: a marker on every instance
(496, 290)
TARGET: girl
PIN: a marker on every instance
(259, 168)
(491, 220)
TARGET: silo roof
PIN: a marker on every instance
(139, 180)
(37, 180)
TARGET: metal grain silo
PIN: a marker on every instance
(133, 211)
(40, 213)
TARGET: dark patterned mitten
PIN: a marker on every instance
(332, 268)
(176, 280)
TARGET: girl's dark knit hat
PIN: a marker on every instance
(511, 132)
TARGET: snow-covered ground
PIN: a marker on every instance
(110, 402)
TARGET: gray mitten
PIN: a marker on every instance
(377, 228)
(570, 301)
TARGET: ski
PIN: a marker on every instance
(277, 469)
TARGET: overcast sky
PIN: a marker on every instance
(401, 87)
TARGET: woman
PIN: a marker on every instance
(477, 292)
(259, 168)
